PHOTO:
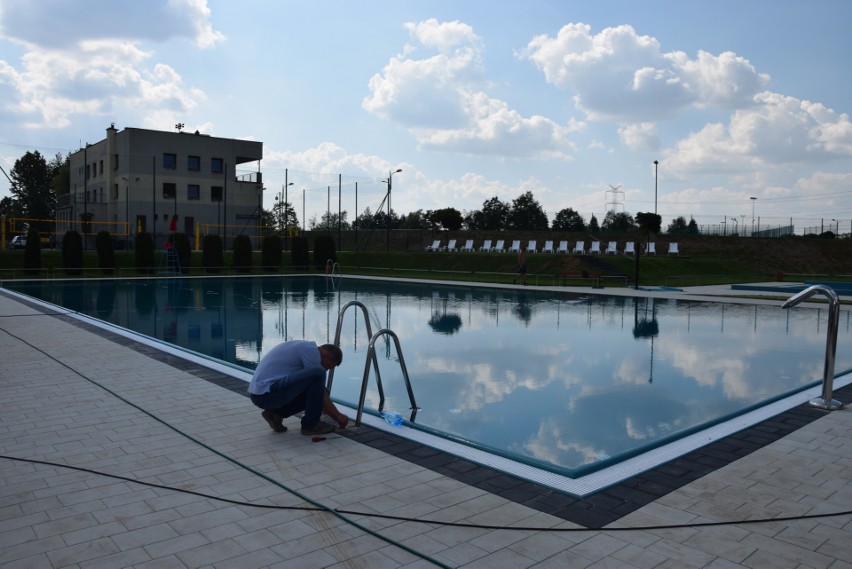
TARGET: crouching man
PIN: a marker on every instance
(290, 378)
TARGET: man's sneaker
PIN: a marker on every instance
(274, 420)
(321, 428)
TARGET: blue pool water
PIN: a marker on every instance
(563, 381)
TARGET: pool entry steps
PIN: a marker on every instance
(371, 359)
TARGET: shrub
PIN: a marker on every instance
(212, 255)
(145, 263)
(72, 253)
(106, 253)
(299, 254)
(32, 253)
(242, 254)
(270, 252)
(324, 250)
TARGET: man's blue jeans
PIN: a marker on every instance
(301, 390)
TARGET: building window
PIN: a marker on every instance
(169, 161)
(101, 169)
(193, 192)
(88, 172)
(217, 166)
(115, 191)
(115, 162)
(216, 193)
(169, 190)
(189, 225)
(193, 163)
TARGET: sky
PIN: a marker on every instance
(475, 99)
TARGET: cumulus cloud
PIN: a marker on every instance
(36, 24)
(775, 132)
(96, 65)
(440, 98)
(620, 75)
(640, 136)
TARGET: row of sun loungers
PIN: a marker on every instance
(579, 247)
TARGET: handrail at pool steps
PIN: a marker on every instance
(371, 358)
(825, 402)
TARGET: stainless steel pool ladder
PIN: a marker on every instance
(825, 402)
(371, 359)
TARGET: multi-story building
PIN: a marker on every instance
(138, 180)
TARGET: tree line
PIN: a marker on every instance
(36, 182)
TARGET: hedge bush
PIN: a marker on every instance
(270, 253)
(145, 262)
(325, 249)
(242, 254)
(299, 255)
(212, 253)
(32, 253)
(106, 253)
(72, 253)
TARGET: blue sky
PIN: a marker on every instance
(471, 99)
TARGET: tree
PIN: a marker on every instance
(568, 220)
(492, 217)
(620, 221)
(32, 186)
(593, 224)
(692, 228)
(678, 226)
(527, 214)
(329, 222)
(446, 218)
(414, 220)
(649, 222)
(284, 215)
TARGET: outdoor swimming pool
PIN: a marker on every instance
(566, 382)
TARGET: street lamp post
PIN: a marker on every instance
(284, 212)
(390, 183)
(656, 163)
(837, 232)
(127, 211)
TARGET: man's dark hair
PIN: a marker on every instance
(334, 352)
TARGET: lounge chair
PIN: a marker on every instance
(499, 247)
(629, 248)
(435, 246)
(486, 247)
(468, 246)
(451, 246)
(548, 247)
(516, 246)
(612, 248)
(595, 248)
(673, 249)
(580, 248)
(652, 249)
(532, 247)
(563, 247)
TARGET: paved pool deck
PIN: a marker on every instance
(117, 455)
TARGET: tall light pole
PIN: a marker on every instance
(753, 199)
(284, 212)
(390, 183)
(656, 163)
(127, 210)
(837, 232)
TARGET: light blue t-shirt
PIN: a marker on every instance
(281, 360)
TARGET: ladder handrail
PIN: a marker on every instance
(340, 316)
(824, 402)
(371, 356)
